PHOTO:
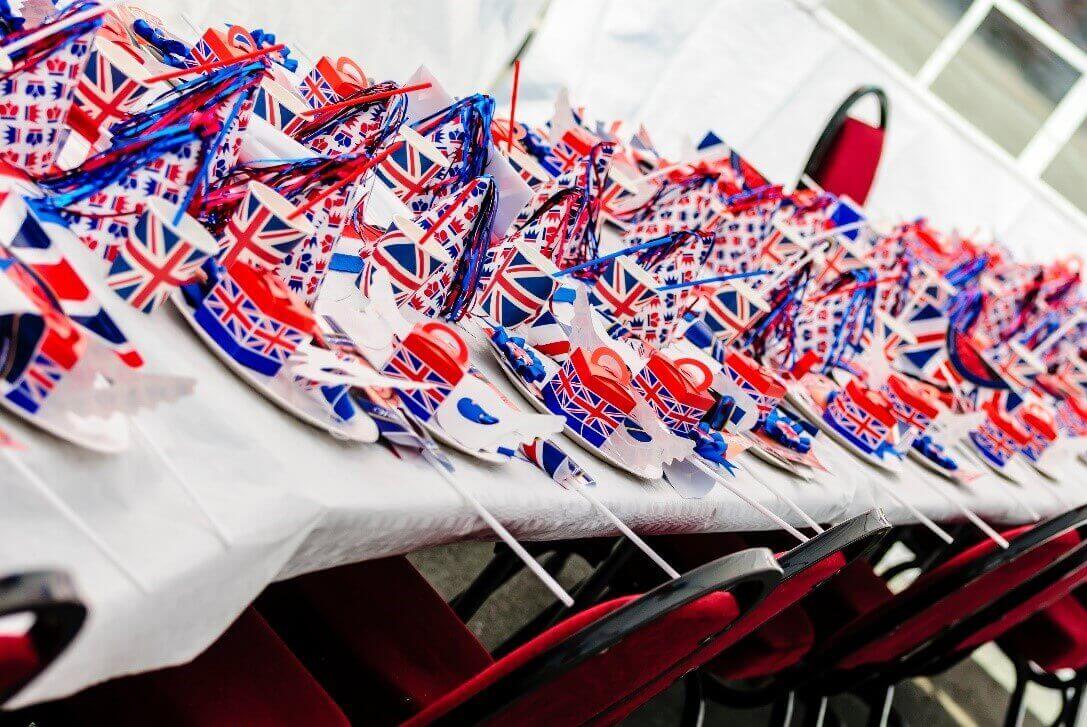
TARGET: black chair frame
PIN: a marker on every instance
(749, 576)
(58, 613)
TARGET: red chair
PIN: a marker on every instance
(846, 156)
(942, 616)
(1051, 641)
(248, 676)
(775, 635)
(378, 630)
(56, 614)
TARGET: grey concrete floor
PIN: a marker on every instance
(965, 695)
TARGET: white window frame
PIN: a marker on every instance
(1050, 138)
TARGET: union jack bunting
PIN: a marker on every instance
(232, 316)
(409, 264)
(258, 235)
(622, 289)
(36, 101)
(670, 396)
(588, 403)
(155, 261)
(423, 359)
(519, 288)
(928, 324)
(33, 246)
(862, 418)
(105, 93)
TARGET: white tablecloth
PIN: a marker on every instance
(295, 500)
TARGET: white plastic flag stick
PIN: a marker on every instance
(197, 501)
(1033, 514)
(731, 487)
(622, 528)
(777, 492)
(501, 531)
(969, 514)
(47, 493)
(921, 517)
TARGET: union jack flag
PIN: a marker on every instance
(104, 95)
(93, 218)
(409, 264)
(316, 90)
(727, 314)
(570, 394)
(546, 335)
(679, 417)
(275, 112)
(519, 288)
(234, 321)
(759, 383)
(154, 262)
(622, 288)
(37, 383)
(416, 359)
(410, 175)
(908, 405)
(1040, 427)
(256, 235)
(865, 428)
(33, 246)
(996, 443)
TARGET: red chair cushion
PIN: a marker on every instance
(775, 646)
(1054, 639)
(603, 688)
(774, 626)
(396, 633)
(18, 662)
(246, 677)
(1039, 602)
(849, 167)
(931, 618)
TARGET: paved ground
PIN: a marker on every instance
(966, 695)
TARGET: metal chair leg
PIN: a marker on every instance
(781, 711)
(1017, 705)
(879, 707)
(694, 703)
(504, 565)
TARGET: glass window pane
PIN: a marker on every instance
(1067, 173)
(1005, 81)
(1068, 17)
(906, 31)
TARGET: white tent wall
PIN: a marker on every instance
(766, 75)
(465, 42)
